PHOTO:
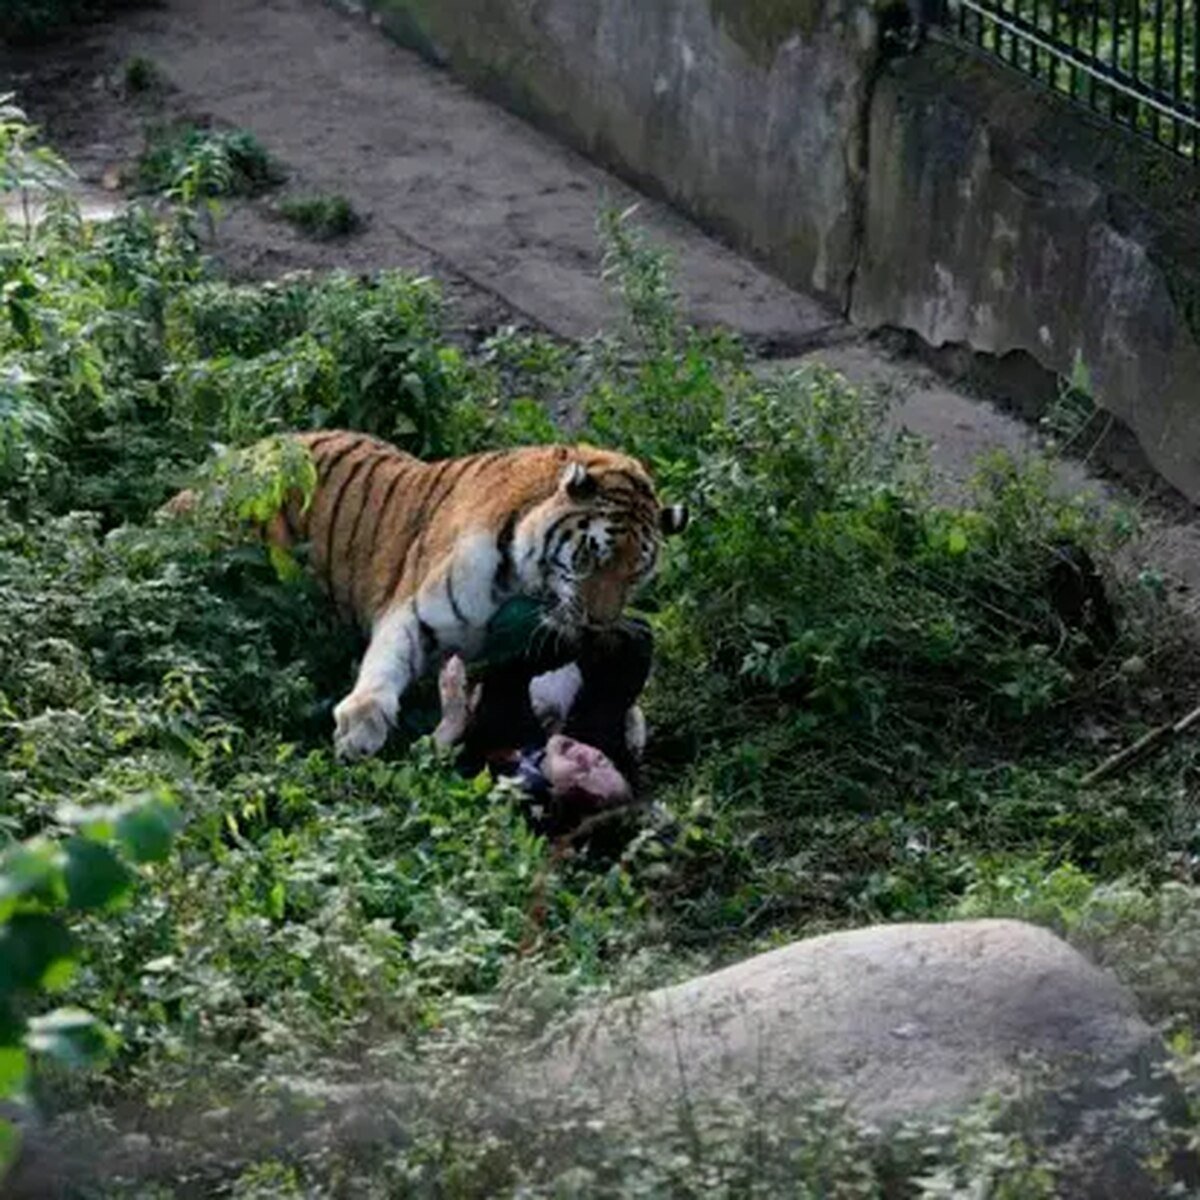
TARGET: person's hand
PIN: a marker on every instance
(571, 766)
(458, 703)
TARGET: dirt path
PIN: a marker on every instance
(450, 182)
(456, 187)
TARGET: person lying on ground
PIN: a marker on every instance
(569, 734)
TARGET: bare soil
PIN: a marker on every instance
(450, 184)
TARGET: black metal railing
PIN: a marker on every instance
(1133, 61)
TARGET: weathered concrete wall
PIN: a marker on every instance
(748, 114)
(937, 194)
(999, 219)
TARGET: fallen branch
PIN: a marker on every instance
(1141, 748)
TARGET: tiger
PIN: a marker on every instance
(422, 555)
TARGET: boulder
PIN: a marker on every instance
(898, 1021)
(850, 1031)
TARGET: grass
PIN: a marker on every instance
(321, 217)
(867, 706)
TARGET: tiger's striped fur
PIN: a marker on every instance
(422, 555)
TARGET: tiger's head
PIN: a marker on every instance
(589, 547)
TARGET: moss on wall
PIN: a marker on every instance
(408, 22)
(760, 27)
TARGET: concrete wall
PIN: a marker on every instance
(748, 114)
(932, 192)
(997, 218)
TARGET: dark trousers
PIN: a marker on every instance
(614, 663)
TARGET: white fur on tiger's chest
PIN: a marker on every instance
(459, 602)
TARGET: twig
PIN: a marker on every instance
(1150, 741)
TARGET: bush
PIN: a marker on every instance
(122, 363)
(40, 881)
(142, 76)
(321, 217)
(195, 163)
(866, 703)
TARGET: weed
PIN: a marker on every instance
(321, 217)
(1073, 417)
(197, 164)
(39, 879)
(142, 76)
(26, 163)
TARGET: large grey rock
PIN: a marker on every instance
(898, 1021)
(901, 1021)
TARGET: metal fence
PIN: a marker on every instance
(1133, 61)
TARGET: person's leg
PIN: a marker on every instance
(614, 665)
(505, 718)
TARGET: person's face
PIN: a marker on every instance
(571, 766)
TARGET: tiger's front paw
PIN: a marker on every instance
(362, 725)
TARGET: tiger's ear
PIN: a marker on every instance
(577, 483)
(673, 519)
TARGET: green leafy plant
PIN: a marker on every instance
(25, 162)
(42, 882)
(142, 76)
(321, 217)
(203, 164)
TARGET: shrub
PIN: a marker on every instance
(866, 703)
(321, 217)
(41, 880)
(197, 164)
(142, 75)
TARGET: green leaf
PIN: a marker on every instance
(146, 832)
(956, 543)
(31, 872)
(35, 949)
(403, 426)
(14, 1065)
(10, 1146)
(287, 569)
(95, 876)
(96, 820)
(71, 1036)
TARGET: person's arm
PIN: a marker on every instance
(458, 703)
